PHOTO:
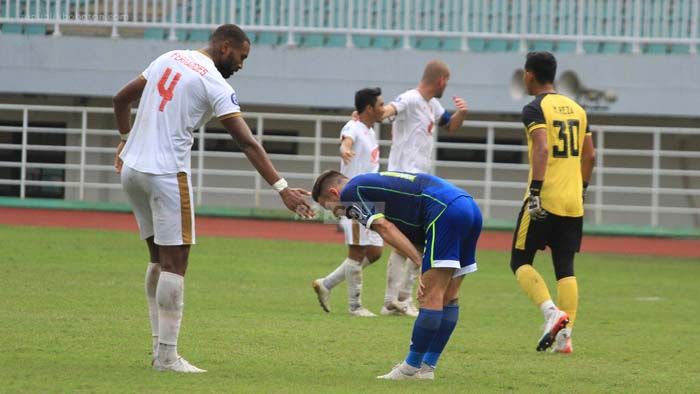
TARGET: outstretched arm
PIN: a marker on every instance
(293, 198)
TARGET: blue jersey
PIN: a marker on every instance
(412, 202)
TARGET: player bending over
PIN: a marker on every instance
(395, 204)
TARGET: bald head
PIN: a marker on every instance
(434, 70)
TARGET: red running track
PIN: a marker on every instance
(316, 232)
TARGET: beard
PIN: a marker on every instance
(227, 73)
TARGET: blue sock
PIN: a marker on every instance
(450, 315)
(424, 329)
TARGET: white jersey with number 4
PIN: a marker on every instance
(412, 132)
(364, 144)
(183, 91)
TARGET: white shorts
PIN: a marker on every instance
(162, 205)
(359, 235)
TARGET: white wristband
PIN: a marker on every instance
(123, 137)
(280, 185)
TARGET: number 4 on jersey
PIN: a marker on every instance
(167, 93)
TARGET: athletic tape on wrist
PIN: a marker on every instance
(280, 185)
(123, 137)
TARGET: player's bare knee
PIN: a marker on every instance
(374, 253)
(431, 298)
(451, 301)
(356, 252)
(153, 250)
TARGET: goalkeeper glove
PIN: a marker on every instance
(534, 204)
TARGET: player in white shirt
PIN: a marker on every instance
(180, 91)
(417, 114)
(359, 152)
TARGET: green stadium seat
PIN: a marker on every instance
(428, 43)
(452, 44)
(477, 44)
(497, 46)
(195, 35)
(611, 47)
(312, 40)
(679, 49)
(12, 28)
(362, 41)
(655, 49)
(154, 33)
(269, 38)
(591, 47)
(542, 46)
(565, 47)
(35, 30)
(336, 41)
(384, 42)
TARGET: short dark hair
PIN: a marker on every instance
(232, 33)
(543, 65)
(324, 180)
(365, 97)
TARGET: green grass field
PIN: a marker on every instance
(74, 319)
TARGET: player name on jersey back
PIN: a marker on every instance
(183, 90)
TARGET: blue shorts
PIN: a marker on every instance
(450, 241)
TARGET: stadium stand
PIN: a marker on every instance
(590, 26)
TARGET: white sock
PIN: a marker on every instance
(170, 294)
(335, 277)
(353, 275)
(152, 275)
(411, 272)
(547, 308)
(394, 275)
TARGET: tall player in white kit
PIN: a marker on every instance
(416, 113)
(180, 91)
(359, 153)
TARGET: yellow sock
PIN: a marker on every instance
(567, 297)
(532, 284)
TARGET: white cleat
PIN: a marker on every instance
(411, 309)
(556, 322)
(361, 311)
(180, 365)
(399, 372)
(395, 308)
(426, 372)
(323, 294)
(562, 342)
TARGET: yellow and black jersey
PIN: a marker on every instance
(566, 125)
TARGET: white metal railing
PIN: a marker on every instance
(91, 149)
(464, 22)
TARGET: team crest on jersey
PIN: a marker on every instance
(356, 213)
(234, 99)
